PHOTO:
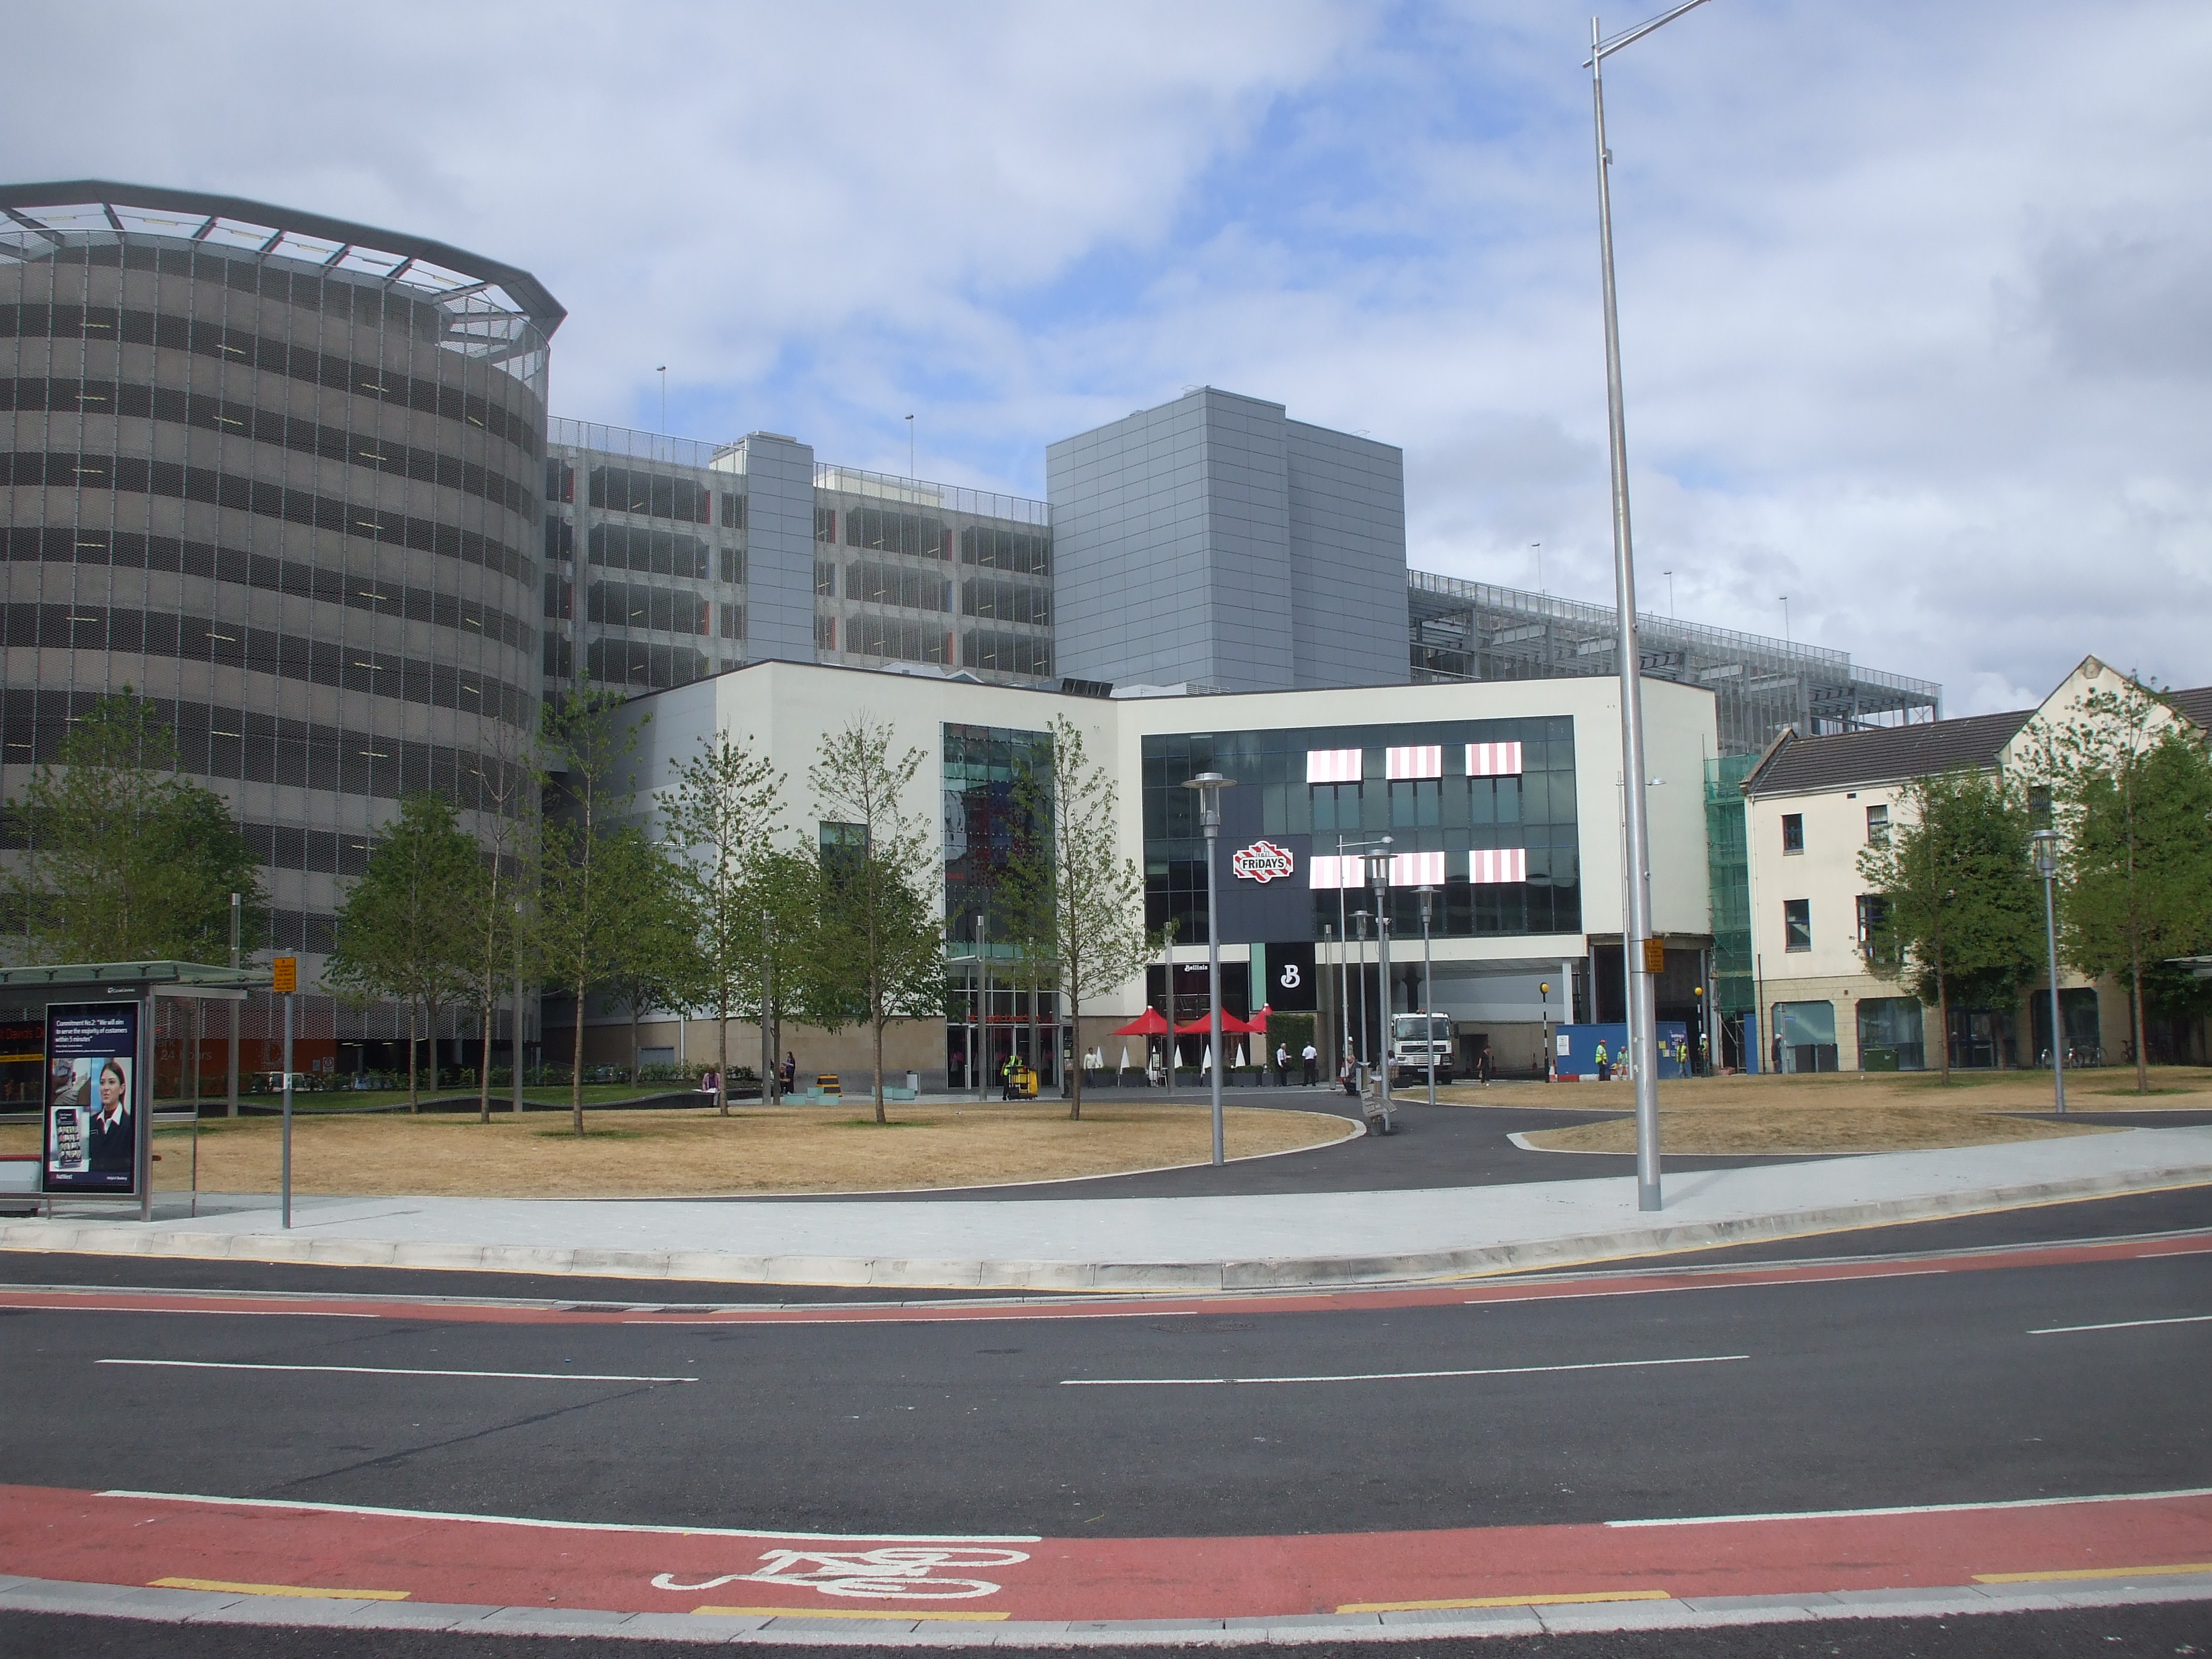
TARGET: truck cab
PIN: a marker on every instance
(1413, 1039)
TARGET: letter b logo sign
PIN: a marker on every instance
(1289, 977)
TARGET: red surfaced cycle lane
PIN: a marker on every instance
(276, 1549)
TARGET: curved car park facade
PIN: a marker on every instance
(283, 475)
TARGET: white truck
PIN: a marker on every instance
(1413, 1039)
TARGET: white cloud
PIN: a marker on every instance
(1914, 298)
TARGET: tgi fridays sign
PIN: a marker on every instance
(1262, 862)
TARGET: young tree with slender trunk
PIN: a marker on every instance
(718, 816)
(1962, 914)
(1077, 901)
(506, 789)
(405, 929)
(2131, 792)
(124, 861)
(881, 891)
(591, 863)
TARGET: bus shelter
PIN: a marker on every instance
(95, 1086)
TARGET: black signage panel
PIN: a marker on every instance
(91, 1141)
(1263, 883)
(1289, 987)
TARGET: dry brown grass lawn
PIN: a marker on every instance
(1878, 1112)
(645, 1154)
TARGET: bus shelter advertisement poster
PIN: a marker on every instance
(92, 1125)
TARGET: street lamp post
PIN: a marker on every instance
(1543, 991)
(1429, 985)
(2046, 866)
(979, 1056)
(1209, 786)
(1359, 987)
(1637, 932)
(1378, 878)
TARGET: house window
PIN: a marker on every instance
(1792, 832)
(1877, 826)
(1797, 924)
(1874, 916)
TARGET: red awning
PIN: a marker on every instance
(1151, 1022)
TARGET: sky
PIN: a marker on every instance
(1916, 301)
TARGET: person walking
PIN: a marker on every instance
(1312, 1058)
(786, 1081)
(1485, 1067)
(1604, 1065)
(1282, 1064)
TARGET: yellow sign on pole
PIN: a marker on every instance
(1655, 957)
(285, 973)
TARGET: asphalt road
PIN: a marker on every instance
(1795, 1396)
(2134, 1632)
(1441, 1146)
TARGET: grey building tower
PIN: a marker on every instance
(1214, 540)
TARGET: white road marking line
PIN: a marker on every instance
(1670, 1290)
(919, 1319)
(390, 1371)
(2160, 1256)
(225, 1313)
(1921, 1508)
(1384, 1376)
(572, 1526)
(2123, 1325)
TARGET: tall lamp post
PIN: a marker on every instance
(1359, 987)
(1209, 786)
(1378, 878)
(1429, 985)
(2046, 866)
(1637, 934)
(1543, 991)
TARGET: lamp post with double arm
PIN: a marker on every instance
(1636, 935)
(2046, 866)
(1209, 786)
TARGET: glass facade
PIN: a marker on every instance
(288, 488)
(991, 1011)
(1532, 812)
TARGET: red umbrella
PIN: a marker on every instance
(1151, 1022)
(1230, 1026)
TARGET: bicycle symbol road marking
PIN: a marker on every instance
(904, 1571)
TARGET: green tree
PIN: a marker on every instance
(2131, 792)
(1075, 902)
(659, 960)
(507, 788)
(124, 860)
(1963, 914)
(881, 954)
(591, 862)
(718, 816)
(404, 928)
(787, 908)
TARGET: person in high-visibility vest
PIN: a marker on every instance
(1604, 1065)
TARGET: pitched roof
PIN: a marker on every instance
(1798, 766)
(2195, 704)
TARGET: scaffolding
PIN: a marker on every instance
(1464, 630)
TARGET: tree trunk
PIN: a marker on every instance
(1075, 1072)
(1944, 1018)
(878, 1022)
(2135, 1014)
(576, 1066)
(722, 1057)
(413, 1075)
(490, 1007)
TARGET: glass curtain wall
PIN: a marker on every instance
(998, 1005)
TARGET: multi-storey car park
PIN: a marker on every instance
(281, 474)
(293, 479)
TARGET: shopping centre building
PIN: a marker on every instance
(295, 479)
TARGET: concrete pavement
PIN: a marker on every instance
(1243, 1241)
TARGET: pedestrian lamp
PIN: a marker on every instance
(1209, 786)
(1429, 985)
(1705, 1039)
(1378, 878)
(2046, 866)
(1359, 1044)
(1543, 991)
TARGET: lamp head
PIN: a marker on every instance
(1428, 900)
(2046, 853)
(1209, 786)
